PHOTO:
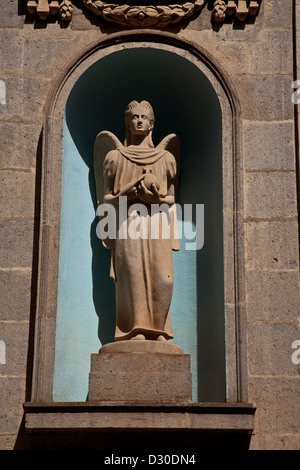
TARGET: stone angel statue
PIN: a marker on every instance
(145, 177)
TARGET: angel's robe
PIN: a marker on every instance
(142, 268)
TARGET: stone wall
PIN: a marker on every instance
(258, 57)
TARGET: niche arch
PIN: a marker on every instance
(219, 362)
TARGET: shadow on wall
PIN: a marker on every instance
(103, 285)
(184, 102)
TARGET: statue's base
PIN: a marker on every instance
(149, 371)
(141, 346)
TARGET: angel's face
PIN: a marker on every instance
(139, 122)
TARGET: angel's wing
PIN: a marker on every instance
(104, 143)
(171, 143)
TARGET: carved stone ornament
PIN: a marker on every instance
(238, 8)
(43, 8)
(131, 14)
(149, 15)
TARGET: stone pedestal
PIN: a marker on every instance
(136, 371)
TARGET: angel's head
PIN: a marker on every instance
(139, 120)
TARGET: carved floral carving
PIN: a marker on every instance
(149, 15)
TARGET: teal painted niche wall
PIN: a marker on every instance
(184, 102)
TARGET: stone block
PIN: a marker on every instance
(15, 337)
(278, 14)
(10, 16)
(25, 98)
(275, 442)
(270, 194)
(19, 144)
(271, 245)
(269, 146)
(277, 401)
(140, 376)
(16, 243)
(17, 190)
(12, 393)
(15, 295)
(11, 61)
(270, 351)
(274, 54)
(7, 441)
(39, 47)
(265, 97)
(272, 295)
(232, 54)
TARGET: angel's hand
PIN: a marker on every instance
(130, 189)
(150, 197)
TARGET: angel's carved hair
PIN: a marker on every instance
(134, 104)
(129, 111)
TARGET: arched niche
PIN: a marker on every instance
(190, 98)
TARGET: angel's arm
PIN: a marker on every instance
(129, 190)
(170, 197)
(111, 198)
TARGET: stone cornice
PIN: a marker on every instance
(119, 416)
(154, 14)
